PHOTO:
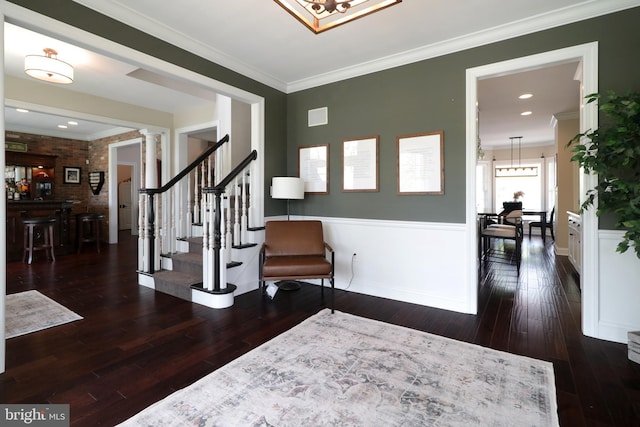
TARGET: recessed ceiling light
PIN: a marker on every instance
(22, 110)
(525, 96)
(72, 123)
(526, 113)
(62, 126)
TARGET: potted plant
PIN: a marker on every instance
(613, 153)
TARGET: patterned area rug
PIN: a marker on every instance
(30, 311)
(345, 370)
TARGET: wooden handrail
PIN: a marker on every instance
(173, 181)
(235, 172)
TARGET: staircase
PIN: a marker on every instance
(183, 271)
(193, 232)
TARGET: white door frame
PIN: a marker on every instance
(113, 187)
(587, 54)
(46, 25)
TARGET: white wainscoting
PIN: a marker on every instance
(619, 289)
(416, 262)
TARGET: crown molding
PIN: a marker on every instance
(157, 29)
(556, 18)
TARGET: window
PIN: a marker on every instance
(527, 177)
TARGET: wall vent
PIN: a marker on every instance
(318, 116)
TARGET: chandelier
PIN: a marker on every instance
(322, 15)
(48, 67)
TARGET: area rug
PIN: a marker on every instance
(345, 370)
(30, 311)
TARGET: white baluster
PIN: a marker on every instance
(237, 238)
(205, 248)
(196, 198)
(244, 220)
(158, 239)
(211, 251)
(188, 212)
(223, 230)
(228, 234)
(141, 233)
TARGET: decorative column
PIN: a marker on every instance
(152, 224)
(151, 157)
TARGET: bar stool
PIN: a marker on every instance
(88, 227)
(33, 226)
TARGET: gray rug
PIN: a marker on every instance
(345, 370)
(30, 311)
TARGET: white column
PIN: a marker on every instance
(151, 157)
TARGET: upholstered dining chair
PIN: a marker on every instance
(507, 228)
(548, 224)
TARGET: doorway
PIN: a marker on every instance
(125, 201)
(587, 55)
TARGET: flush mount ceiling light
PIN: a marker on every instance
(48, 67)
(322, 15)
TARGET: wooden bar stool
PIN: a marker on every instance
(88, 227)
(34, 226)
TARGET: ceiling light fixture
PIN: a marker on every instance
(526, 113)
(48, 67)
(525, 96)
(322, 15)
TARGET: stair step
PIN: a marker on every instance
(190, 263)
(176, 283)
(245, 245)
(233, 264)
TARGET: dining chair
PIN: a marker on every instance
(507, 228)
(548, 224)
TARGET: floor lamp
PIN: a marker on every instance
(285, 187)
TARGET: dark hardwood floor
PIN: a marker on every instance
(136, 346)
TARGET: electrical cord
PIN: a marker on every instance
(351, 278)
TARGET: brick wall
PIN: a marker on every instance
(75, 153)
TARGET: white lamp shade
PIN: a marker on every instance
(285, 187)
(48, 69)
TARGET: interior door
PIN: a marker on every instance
(124, 205)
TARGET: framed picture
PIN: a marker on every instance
(421, 163)
(72, 175)
(360, 170)
(313, 168)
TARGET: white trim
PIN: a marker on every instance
(162, 31)
(544, 21)
(37, 22)
(113, 187)
(522, 27)
(3, 225)
(413, 271)
(588, 54)
(617, 307)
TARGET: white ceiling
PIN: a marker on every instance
(261, 40)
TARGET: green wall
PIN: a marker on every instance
(421, 97)
(430, 96)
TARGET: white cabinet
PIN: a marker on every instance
(575, 238)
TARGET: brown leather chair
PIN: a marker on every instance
(295, 250)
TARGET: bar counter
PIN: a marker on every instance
(17, 210)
